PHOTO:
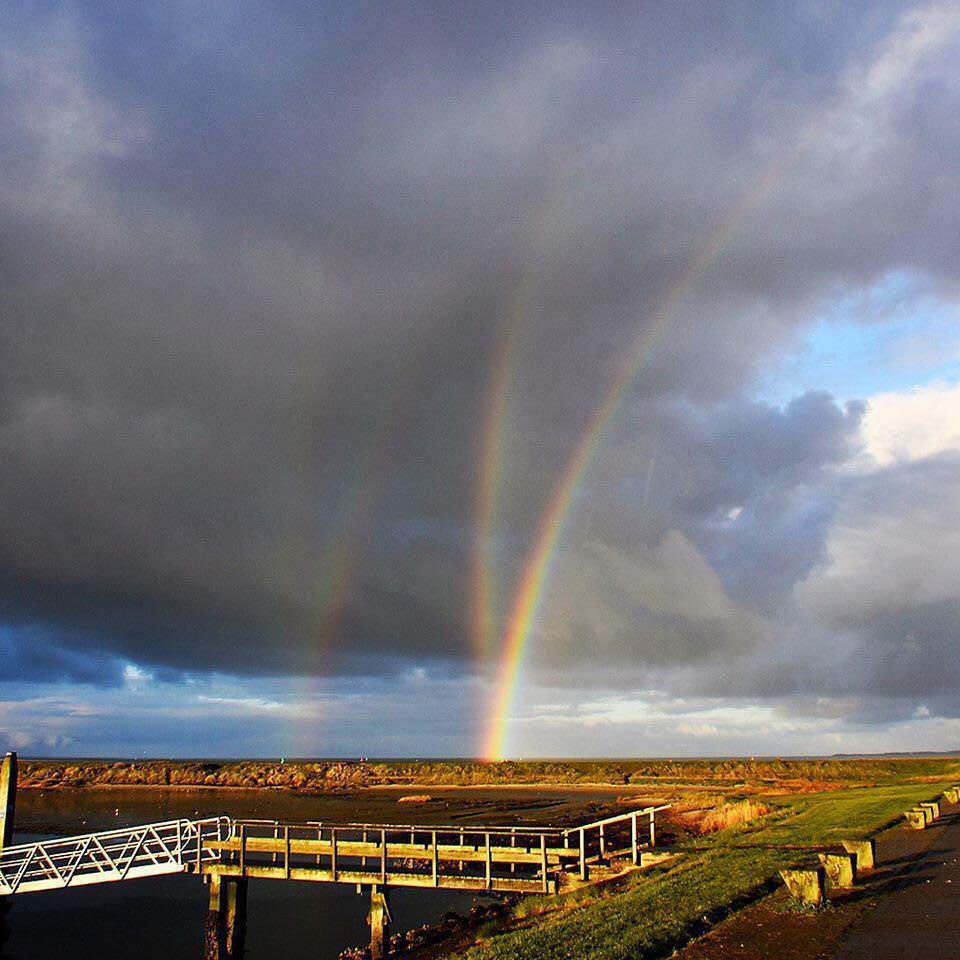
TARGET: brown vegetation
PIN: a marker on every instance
(660, 777)
(725, 815)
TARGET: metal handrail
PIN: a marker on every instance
(407, 827)
(171, 846)
(616, 818)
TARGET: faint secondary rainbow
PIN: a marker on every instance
(540, 558)
(344, 550)
(483, 589)
(484, 599)
(484, 593)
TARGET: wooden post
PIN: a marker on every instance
(633, 840)
(653, 830)
(8, 808)
(436, 861)
(243, 848)
(543, 861)
(226, 924)
(235, 916)
(214, 947)
(489, 860)
(286, 851)
(603, 843)
(583, 854)
(333, 853)
(8, 798)
(513, 843)
(383, 856)
(379, 919)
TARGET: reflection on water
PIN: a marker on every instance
(162, 917)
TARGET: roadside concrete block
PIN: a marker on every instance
(839, 869)
(952, 795)
(807, 886)
(916, 819)
(934, 809)
(865, 852)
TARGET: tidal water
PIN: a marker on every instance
(162, 918)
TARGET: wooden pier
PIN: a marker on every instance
(378, 856)
(373, 857)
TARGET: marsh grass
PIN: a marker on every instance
(653, 777)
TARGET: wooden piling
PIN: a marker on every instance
(226, 924)
(8, 798)
(379, 919)
(8, 807)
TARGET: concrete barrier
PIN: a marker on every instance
(916, 819)
(865, 852)
(807, 886)
(933, 807)
(952, 795)
(840, 870)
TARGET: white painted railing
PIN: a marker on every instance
(142, 851)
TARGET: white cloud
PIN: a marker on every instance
(908, 425)
(858, 127)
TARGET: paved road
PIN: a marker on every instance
(918, 915)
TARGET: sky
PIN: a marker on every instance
(479, 379)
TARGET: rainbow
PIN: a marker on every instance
(494, 418)
(537, 568)
(342, 548)
(483, 592)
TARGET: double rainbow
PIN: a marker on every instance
(539, 560)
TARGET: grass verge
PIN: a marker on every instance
(656, 911)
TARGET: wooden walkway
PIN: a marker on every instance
(482, 858)
(380, 856)
(371, 856)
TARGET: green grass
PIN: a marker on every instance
(830, 817)
(659, 910)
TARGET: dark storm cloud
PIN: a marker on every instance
(257, 261)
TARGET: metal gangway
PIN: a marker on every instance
(147, 850)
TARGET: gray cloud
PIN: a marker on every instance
(256, 267)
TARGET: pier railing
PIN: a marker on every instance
(142, 851)
(624, 834)
(512, 858)
(521, 859)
